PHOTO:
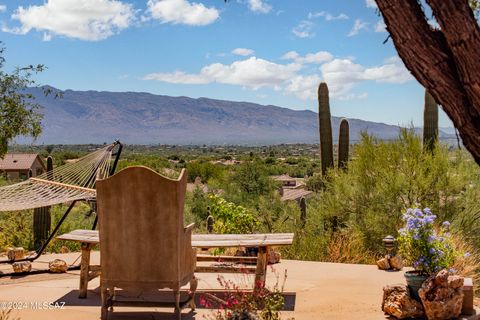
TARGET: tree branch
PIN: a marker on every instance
(462, 34)
(428, 56)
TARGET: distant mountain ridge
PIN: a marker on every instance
(81, 117)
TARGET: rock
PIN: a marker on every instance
(273, 256)
(243, 315)
(442, 296)
(22, 266)
(16, 253)
(441, 277)
(455, 282)
(396, 263)
(64, 249)
(398, 303)
(383, 264)
(58, 266)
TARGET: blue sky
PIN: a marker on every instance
(264, 51)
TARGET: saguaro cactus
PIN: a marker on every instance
(325, 128)
(41, 216)
(343, 143)
(303, 211)
(430, 123)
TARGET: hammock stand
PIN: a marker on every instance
(81, 188)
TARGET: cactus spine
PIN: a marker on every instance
(325, 128)
(430, 123)
(42, 218)
(343, 144)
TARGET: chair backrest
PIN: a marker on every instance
(141, 227)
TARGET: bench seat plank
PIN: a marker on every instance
(203, 240)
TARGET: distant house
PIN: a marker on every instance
(21, 166)
(294, 194)
(292, 188)
(289, 182)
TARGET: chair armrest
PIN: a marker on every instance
(189, 228)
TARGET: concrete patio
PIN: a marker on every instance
(323, 291)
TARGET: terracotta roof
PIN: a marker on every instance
(19, 161)
(295, 194)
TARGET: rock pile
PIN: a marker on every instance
(390, 263)
(442, 296)
(398, 303)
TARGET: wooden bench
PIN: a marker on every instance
(89, 238)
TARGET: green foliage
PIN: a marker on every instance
(19, 115)
(421, 246)
(250, 181)
(204, 170)
(230, 218)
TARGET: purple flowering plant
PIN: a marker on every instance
(427, 250)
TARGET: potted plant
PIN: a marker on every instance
(423, 247)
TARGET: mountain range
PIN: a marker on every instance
(80, 117)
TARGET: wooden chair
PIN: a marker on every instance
(143, 243)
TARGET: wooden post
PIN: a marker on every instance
(261, 271)
(84, 270)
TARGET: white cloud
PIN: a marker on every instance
(380, 26)
(303, 29)
(182, 12)
(357, 27)
(327, 16)
(3, 8)
(253, 73)
(177, 77)
(318, 57)
(343, 74)
(259, 6)
(393, 71)
(371, 4)
(296, 78)
(243, 52)
(91, 20)
(304, 87)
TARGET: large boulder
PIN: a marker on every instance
(442, 296)
(22, 266)
(15, 254)
(398, 303)
(58, 266)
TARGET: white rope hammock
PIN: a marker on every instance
(72, 181)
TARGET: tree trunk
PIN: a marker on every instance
(445, 62)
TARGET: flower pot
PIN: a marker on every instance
(414, 281)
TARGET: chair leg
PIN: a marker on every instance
(111, 291)
(178, 311)
(104, 297)
(193, 288)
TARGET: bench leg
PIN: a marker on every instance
(84, 270)
(261, 271)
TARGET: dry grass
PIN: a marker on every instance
(468, 264)
(346, 247)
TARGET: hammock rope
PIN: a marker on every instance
(70, 182)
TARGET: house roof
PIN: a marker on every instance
(295, 194)
(283, 177)
(19, 161)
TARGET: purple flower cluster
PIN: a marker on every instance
(418, 240)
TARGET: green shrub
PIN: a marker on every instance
(230, 218)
